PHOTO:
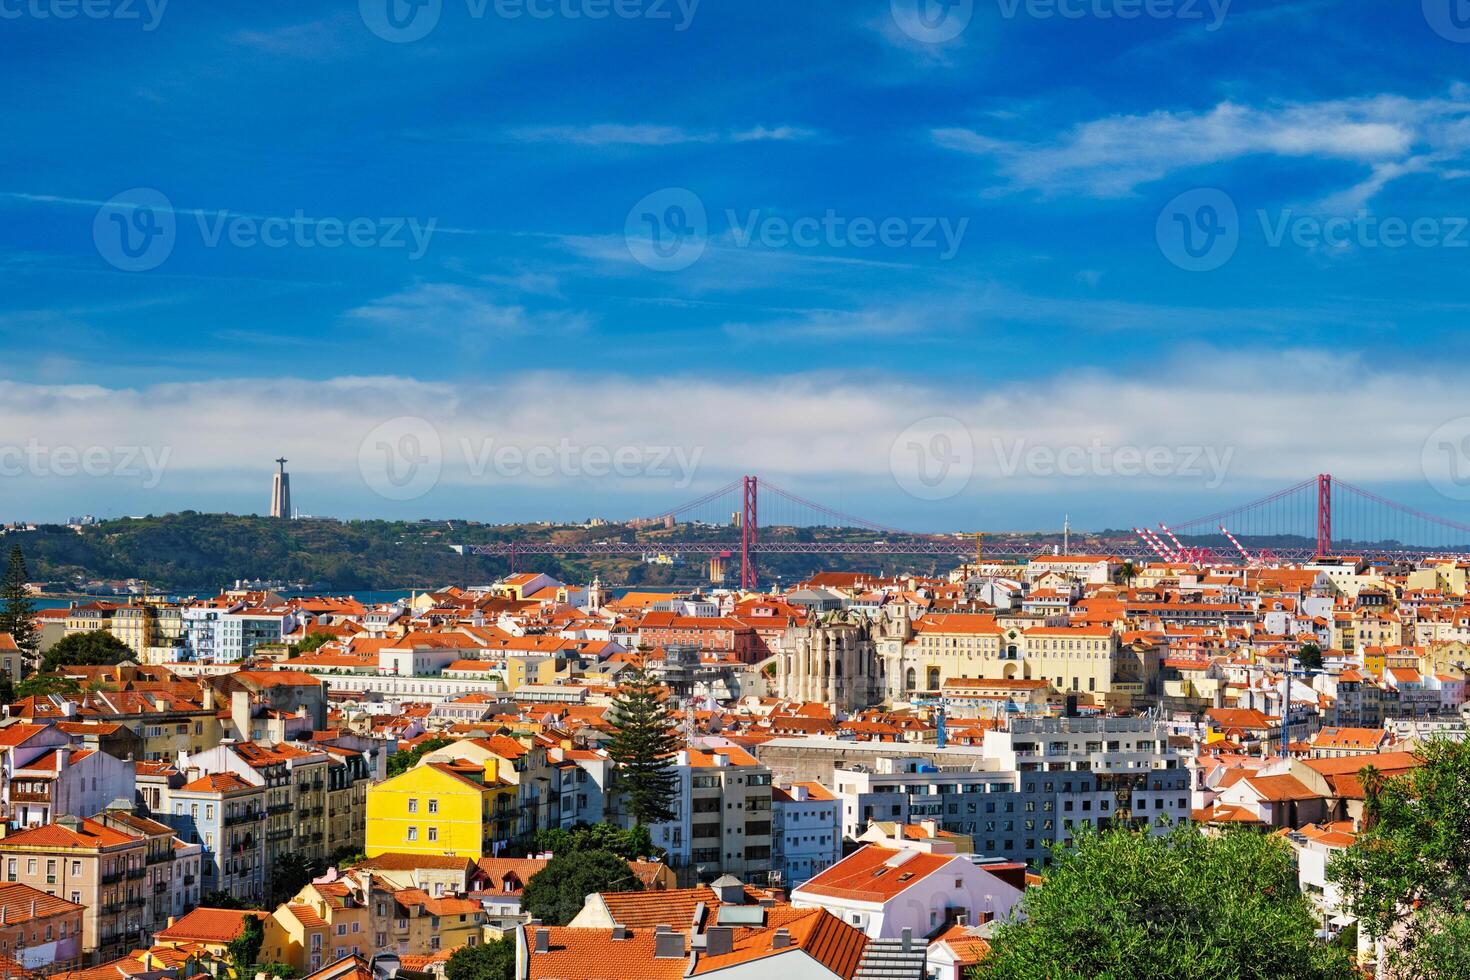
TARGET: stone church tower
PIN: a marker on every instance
(831, 660)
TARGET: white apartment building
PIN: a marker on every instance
(1129, 759)
(806, 831)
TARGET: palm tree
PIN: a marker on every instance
(1128, 573)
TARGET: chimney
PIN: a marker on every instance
(719, 941)
(781, 939)
(908, 940)
(667, 944)
(543, 940)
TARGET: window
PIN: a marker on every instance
(433, 833)
(76, 867)
(413, 805)
(413, 833)
(433, 806)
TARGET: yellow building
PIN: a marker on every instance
(440, 808)
(520, 671)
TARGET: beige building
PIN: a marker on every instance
(123, 869)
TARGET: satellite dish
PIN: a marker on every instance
(386, 966)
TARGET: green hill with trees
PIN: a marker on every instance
(195, 552)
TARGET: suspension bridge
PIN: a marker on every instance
(750, 517)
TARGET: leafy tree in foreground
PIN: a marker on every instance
(1414, 853)
(1310, 656)
(17, 612)
(1133, 906)
(494, 960)
(643, 746)
(556, 893)
(96, 648)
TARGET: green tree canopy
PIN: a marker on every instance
(556, 893)
(1128, 905)
(17, 612)
(494, 960)
(42, 685)
(314, 641)
(244, 949)
(1310, 656)
(405, 759)
(630, 844)
(97, 648)
(291, 872)
(643, 745)
(1414, 853)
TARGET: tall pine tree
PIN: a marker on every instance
(644, 744)
(18, 614)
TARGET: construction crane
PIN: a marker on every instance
(1153, 545)
(1180, 552)
(1250, 559)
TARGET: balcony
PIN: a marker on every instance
(188, 880)
(112, 877)
(162, 857)
(239, 818)
(159, 887)
(280, 808)
(135, 873)
(18, 797)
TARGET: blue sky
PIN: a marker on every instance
(1034, 176)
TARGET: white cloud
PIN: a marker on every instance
(1113, 156)
(1282, 417)
(447, 308)
(648, 134)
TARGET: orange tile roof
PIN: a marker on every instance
(875, 874)
(818, 933)
(91, 835)
(205, 925)
(672, 907)
(593, 954)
